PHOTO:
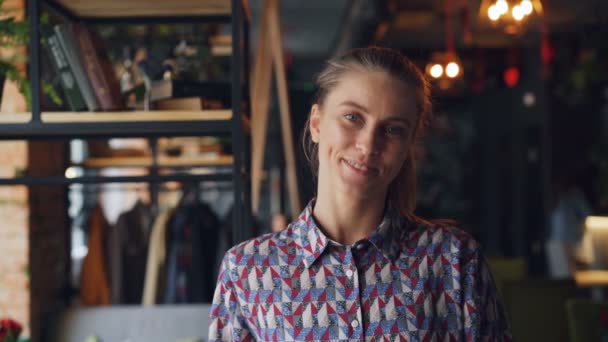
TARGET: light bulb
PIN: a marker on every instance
(452, 70)
(526, 7)
(517, 13)
(493, 13)
(436, 71)
(502, 6)
(71, 172)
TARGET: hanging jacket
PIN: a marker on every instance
(157, 253)
(192, 235)
(94, 288)
(128, 252)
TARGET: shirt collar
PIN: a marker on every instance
(311, 241)
(388, 237)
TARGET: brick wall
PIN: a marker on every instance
(14, 213)
(14, 279)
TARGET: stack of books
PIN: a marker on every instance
(86, 74)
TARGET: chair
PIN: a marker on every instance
(587, 320)
(506, 270)
(537, 309)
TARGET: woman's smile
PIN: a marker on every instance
(360, 168)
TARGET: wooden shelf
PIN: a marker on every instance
(15, 118)
(163, 161)
(130, 116)
(146, 8)
(115, 124)
(136, 116)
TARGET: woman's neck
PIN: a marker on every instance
(345, 219)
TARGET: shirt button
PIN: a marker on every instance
(349, 273)
(354, 323)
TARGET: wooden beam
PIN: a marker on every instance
(276, 40)
(260, 101)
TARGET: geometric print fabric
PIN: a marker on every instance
(404, 282)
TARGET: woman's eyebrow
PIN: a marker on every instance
(354, 104)
(399, 119)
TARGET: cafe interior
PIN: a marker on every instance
(516, 151)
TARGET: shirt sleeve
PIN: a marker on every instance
(226, 320)
(484, 313)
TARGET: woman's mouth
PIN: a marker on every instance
(362, 169)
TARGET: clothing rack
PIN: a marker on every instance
(97, 188)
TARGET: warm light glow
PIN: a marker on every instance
(517, 12)
(596, 222)
(526, 7)
(502, 6)
(493, 13)
(71, 172)
(452, 70)
(436, 71)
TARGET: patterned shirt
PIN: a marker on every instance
(404, 282)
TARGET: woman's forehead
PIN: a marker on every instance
(373, 90)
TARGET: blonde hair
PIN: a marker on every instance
(402, 190)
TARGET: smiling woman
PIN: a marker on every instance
(358, 264)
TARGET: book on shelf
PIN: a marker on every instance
(72, 53)
(59, 62)
(220, 39)
(221, 45)
(221, 50)
(98, 68)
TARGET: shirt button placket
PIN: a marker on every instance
(349, 273)
(353, 280)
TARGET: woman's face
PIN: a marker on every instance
(364, 130)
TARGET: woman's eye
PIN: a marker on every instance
(351, 117)
(395, 131)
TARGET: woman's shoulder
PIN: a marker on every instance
(282, 242)
(441, 235)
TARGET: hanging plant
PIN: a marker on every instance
(15, 34)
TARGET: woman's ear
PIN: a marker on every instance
(314, 123)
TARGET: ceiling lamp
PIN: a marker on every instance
(445, 67)
(510, 14)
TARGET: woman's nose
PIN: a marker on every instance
(369, 143)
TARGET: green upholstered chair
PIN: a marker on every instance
(587, 320)
(537, 309)
(506, 270)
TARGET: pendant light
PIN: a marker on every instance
(445, 67)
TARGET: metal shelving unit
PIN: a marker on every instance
(38, 125)
(71, 125)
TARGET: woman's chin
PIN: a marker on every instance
(357, 188)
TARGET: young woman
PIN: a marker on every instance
(357, 264)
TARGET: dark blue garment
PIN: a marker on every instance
(192, 239)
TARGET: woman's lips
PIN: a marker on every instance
(359, 168)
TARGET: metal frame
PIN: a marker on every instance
(239, 175)
(59, 180)
(36, 129)
(40, 130)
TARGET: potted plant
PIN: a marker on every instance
(13, 34)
